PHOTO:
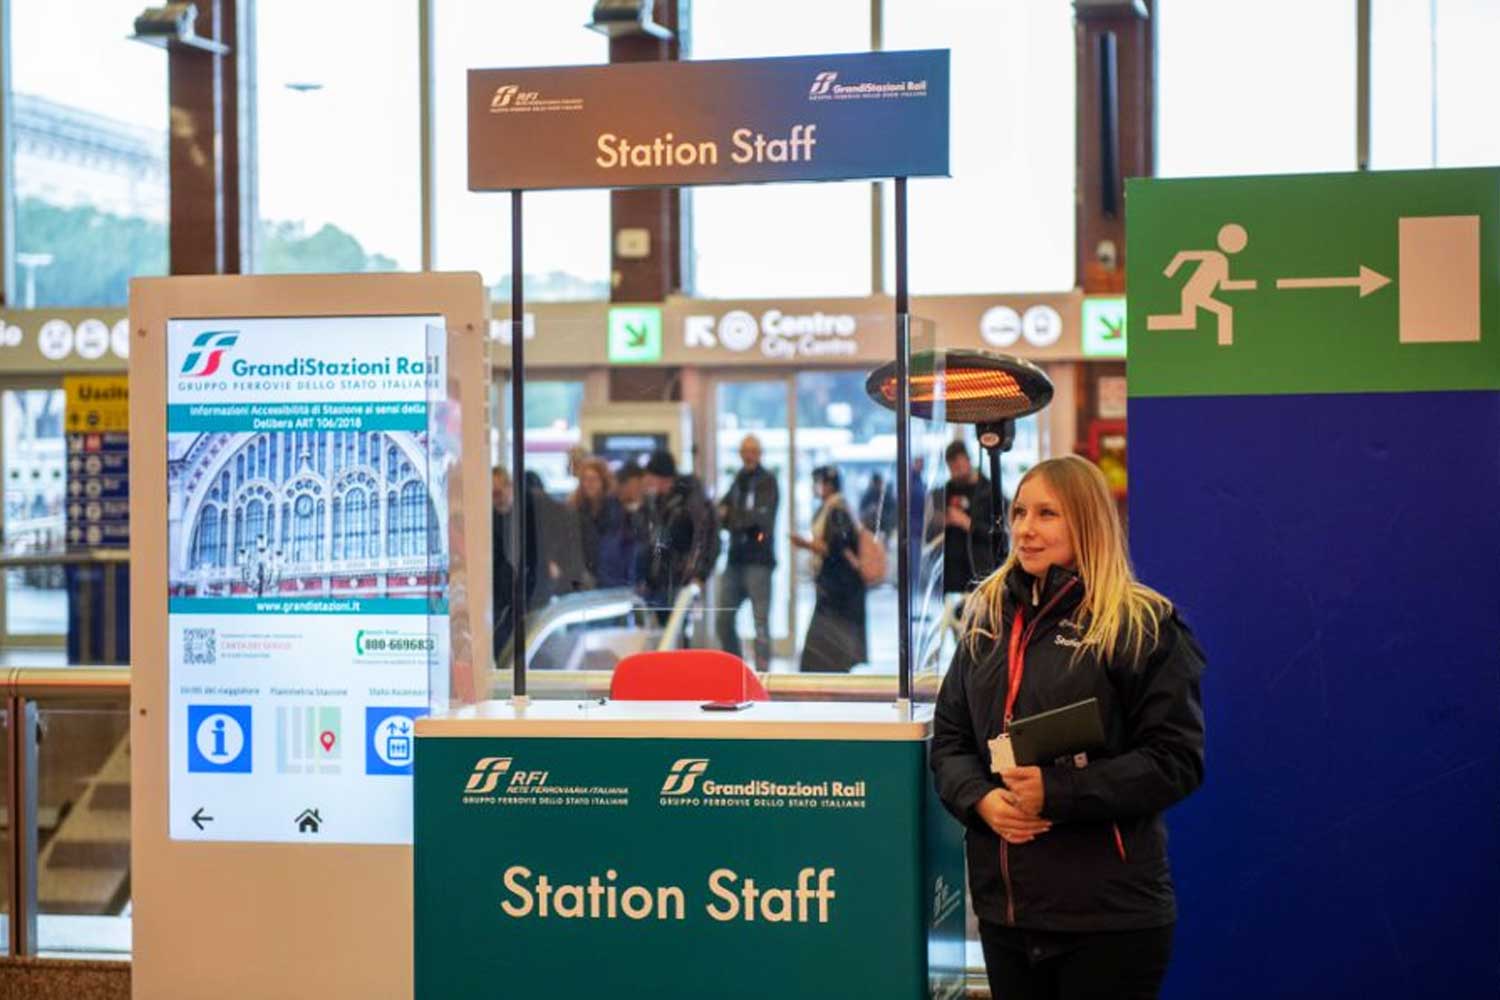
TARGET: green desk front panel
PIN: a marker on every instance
(494, 815)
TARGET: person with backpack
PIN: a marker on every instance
(835, 639)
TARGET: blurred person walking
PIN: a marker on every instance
(608, 553)
(682, 540)
(963, 510)
(835, 639)
(502, 515)
(877, 507)
(748, 512)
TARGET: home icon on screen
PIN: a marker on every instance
(309, 821)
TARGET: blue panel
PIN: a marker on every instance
(1339, 557)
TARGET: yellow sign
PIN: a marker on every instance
(96, 403)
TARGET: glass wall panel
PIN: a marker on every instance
(1464, 47)
(778, 240)
(580, 542)
(1004, 220)
(1254, 88)
(36, 600)
(83, 844)
(88, 110)
(1430, 83)
(552, 414)
(567, 232)
(337, 129)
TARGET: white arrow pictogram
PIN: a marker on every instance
(1369, 280)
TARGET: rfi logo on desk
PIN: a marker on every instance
(486, 776)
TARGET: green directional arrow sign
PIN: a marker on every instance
(1104, 327)
(1373, 282)
(634, 335)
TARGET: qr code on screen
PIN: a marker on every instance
(199, 645)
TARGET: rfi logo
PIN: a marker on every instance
(486, 776)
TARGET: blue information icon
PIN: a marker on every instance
(219, 739)
(391, 739)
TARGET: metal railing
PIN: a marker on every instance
(22, 688)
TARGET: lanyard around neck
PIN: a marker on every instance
(1016, 663)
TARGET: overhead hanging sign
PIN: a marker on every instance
(733, 121)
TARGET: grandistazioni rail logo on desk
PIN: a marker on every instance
(689, 784)
(496, 781)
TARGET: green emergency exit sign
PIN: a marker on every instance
(1369, 282)
(634, 335)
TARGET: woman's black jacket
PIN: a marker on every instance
(1103, 864)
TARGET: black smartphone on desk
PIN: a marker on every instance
(725, 706)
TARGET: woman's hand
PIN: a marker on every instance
(1001, 814)
(812, 545)
(1025, 783)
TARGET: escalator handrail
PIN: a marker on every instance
(570, 609)
(672, 632)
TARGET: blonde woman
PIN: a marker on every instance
(1067, 864)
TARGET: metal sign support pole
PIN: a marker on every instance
(903, 455)
(519, 500)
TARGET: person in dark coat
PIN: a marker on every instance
(836, 635)
(682, 542)
(748, 513)
(625, 548)
(877, 507)
(1067, 859)
(608, 547)
(962, 509)
(502, 516)
(561, 569)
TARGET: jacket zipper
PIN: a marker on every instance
(1010, 896)
(1119, 840)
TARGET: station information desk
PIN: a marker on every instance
(586, 849)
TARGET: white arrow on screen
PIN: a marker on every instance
(1368, 280)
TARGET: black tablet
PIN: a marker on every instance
(1062, 732)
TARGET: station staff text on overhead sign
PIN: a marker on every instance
(738, 121)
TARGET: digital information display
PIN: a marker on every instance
(307, 579)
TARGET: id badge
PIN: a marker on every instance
(1002, 754)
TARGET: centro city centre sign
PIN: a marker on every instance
(775, 333)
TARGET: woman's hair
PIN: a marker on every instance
(828, 474)
(606, 485)
(1116, 606)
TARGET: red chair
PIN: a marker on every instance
(685, 675)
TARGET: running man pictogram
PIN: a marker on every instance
(1211, 275)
